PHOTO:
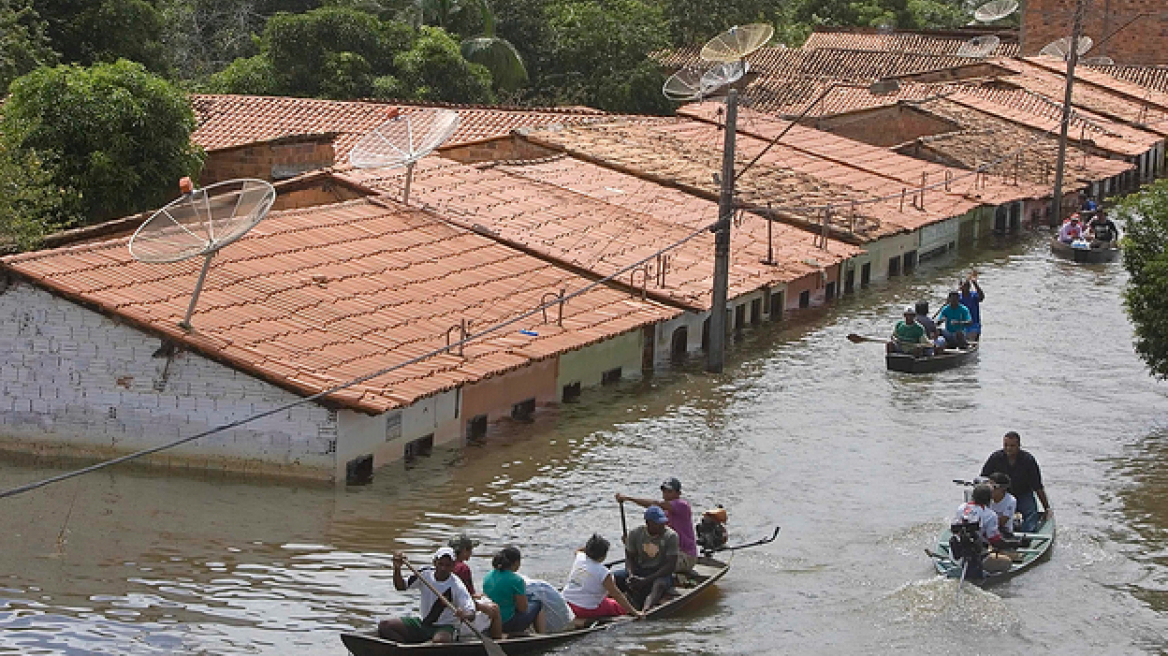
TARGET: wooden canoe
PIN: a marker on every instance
(947, 359)
(1041, 542)
(1084, 255)
(706, 572)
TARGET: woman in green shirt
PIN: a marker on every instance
(509, 590)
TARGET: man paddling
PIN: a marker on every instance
(1025, 479)
(680, 516)
(437, 620)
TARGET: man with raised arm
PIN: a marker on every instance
(680, 516)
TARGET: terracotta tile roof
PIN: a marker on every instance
(589, 218)
(826, 63)
(313, 298)
(226, 121)
(1148, 77)
(685, 153)
(921, 43)
(1101, 79)
(1039, 79)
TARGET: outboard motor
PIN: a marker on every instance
(965, 543)
(711, 531)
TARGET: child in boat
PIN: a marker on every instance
(591, 590)
(508, 589)
(463, 548)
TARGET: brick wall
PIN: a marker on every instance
(886, 126)
(496, 149)
(74, 383)
(1144, 41)
(270, 160)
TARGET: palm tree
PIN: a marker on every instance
(497, 54)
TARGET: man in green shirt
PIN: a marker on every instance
(909, 336)
(650, 560)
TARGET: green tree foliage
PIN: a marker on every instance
(90, 31)
(695, 21)
(434, 69)
(23, 43)
(901, 14)
(251, 76)
(500, 57)
(115, 133)
(30, 205)
(1145, 256)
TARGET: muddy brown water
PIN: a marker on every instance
(804, 430)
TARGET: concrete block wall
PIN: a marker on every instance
(1142, 38)
(505, 148)
(76, 383)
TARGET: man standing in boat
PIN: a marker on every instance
(1025, 479)
(650, 560)
(680, 515)
(971, 298)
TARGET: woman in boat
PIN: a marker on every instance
(591, 590)
(508, 589)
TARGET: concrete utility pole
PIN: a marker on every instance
(716, 355)
(1056, 203)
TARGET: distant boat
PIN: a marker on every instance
(705, 573)
(1084, 255)
(925, 364)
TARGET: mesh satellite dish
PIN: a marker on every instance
(201, 222)
(403, 140)
(683, 86)
(979, 46)
(1099, 61)
(995, 10)
(722, 75)
(737, 42)
(1061, 48)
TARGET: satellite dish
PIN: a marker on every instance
(403, 140)
(722, 75)
(1061, 48)
(737, 42)
(201, 222)
(1099, 61)
(684, 85)
(995, 10)
(979, 46)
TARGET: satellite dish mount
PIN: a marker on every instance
(201, 222)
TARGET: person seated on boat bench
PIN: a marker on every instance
(1003, 503)
(463, 548)
(1025, 480)
(929, 325)
(437, 620)
(591, 590)
(1102, 231)
(909, 336)
(977, 513)
(971, 298)
(1071, 230)
(508, 589)
(650, 560)
(680, 515)
(955, 319)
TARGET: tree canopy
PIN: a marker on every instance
(1145, 257)
(24, 45)
(30, 205)
(116, 134)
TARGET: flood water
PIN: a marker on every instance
(804, 430)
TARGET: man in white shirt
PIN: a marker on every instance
(437, 620)
(1003, 503)
(977, 511)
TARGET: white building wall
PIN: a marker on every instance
(74, 382)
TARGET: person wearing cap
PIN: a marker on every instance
(1071, 230)
(977, 510)
(463, 548)
(650, 560)
(508, 589)
(909, 336)
(1003, 503)
(437, 620)
(955, 319)
(680, 515)
(1025, 479)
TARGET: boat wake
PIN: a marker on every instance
(935, 600)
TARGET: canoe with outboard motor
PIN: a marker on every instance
(1038, 547)
(1084, 255)
(926, 364)
(704, 574)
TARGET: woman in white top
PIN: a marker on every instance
(591, 591)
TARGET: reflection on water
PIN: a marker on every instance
(805, 430)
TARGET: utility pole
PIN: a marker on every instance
(716, 355)
(1056, 203)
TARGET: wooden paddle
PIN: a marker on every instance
(492, 648)
(860, 339)
(624, 524)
